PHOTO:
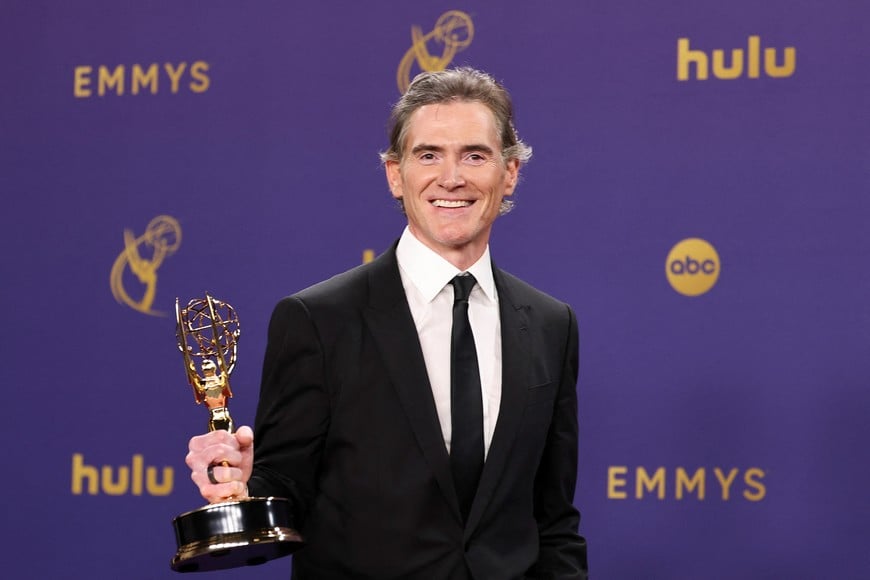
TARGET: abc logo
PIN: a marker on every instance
(692, 267)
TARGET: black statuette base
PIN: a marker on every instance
(235, 533)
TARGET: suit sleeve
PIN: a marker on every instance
(293, 410)
(562, 550)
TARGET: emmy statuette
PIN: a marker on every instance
(237, 532)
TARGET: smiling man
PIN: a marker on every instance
(451, 178)
(420, 411)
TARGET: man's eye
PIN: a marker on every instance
(475, 158)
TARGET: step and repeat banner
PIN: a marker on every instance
(698, 193)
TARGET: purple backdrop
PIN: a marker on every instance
(722, 435)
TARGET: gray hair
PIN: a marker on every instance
(462, 84)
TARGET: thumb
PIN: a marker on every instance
(245, 437)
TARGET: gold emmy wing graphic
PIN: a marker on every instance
(453, 32)
(143, 256)
(237, 532)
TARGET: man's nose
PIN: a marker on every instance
(451, 175)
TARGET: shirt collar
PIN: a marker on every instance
(430, 273)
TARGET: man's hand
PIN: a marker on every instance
(231, 457)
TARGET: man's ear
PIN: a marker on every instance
(512, 176)
(394, 178)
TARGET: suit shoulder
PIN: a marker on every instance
(348, 283)
(350, 290)
(514, 288)
(344, 290)
(328, 305)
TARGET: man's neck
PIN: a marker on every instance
(462, 257)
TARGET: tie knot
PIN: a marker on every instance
(462, 286)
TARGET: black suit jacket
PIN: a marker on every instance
(347, 429)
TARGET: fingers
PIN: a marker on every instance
(214, 493)
(229, 483)
(230, 458)
(219, 437)
(222, 474)
(217, 454)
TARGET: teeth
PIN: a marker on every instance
(450, 203)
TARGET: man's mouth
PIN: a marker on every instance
(451, 203)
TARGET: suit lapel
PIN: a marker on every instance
(515, 355)
(392, 327)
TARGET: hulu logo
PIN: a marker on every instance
(120, 480)
(748, 61)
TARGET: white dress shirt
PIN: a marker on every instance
(426, 278)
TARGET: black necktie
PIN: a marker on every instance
(466, 406)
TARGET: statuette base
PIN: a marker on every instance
(235, 533)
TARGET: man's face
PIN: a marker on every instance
(452, 178)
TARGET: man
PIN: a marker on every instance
(396, 468)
